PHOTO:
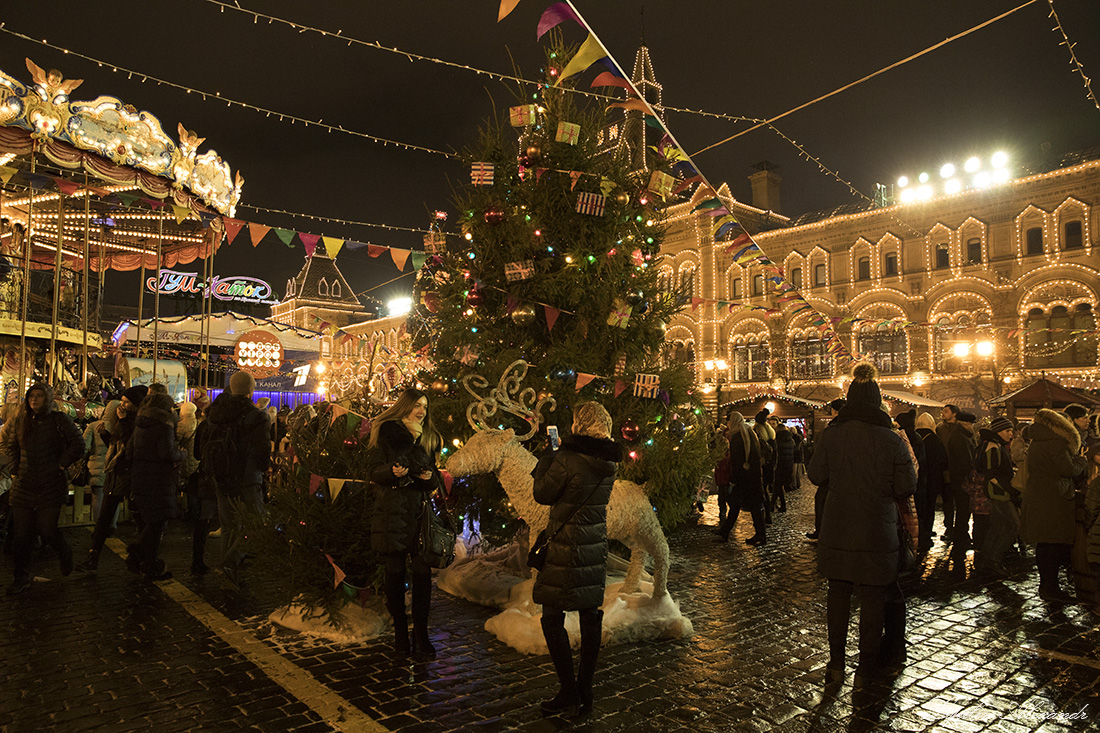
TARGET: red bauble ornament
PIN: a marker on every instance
(494, 215)
(629, 430)
(351, 443)
(432, 302)
(475, 298)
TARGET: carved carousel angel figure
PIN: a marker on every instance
(185, 155)
(52, 85)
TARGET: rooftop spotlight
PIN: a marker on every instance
(903, 181)
(947, 170)
(1000, 159)
(952, 186)
(982, 180)
(923, 178)
(972, 165)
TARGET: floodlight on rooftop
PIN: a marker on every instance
(947, 170)
(972, 165)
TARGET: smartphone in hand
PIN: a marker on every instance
(555, 441)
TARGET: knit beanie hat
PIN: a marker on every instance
(242, 383)
(591, 419)
(136, 394)
(968, 417)
(1000, 423)
(906, 420)
(762, 416)
(1075, 411)
(926, 422)
(863, 391)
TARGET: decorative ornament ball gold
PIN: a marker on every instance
(439, 386)
(524, 315)
(622, 197)
(534, 153)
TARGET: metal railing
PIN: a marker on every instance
(40, 300)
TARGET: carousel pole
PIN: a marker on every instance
(28, 238)
(55, 361)
(84, 282)
(141, 301)
(156, 298)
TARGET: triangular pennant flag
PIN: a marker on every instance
(554, 15)
(154, 204)
(67, 187)
(309, 241)
(364, 428)
(257, 232)
(314, 482)
(607, 186)
(583, 379)
(620, 385)
(375, 250)
(418, 258)
(354, 245)
(696, 302)
(286, 236)
(335, 486)
(589, 53)
(332, 246)
(182, 213)
(539, 172)
(575, 176)
(232, 228)
(338, 574)
(129, 198)
(6, 173)
(630, 104)
(39, 181)
(400, 257)
(506, 6)
(552, 314)
(510, 304)
(607, 79)
(336, 411)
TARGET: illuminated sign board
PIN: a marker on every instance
(238, 288)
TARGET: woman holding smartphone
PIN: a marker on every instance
(401, 466)
(576, 482)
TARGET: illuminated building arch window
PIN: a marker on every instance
(950, 330)
(322, 287)
(757, 285)
(942, 254)
(974, 251)
(686, 287)
(886, 345)
(809, 358)
(664, 280)
(890, 264)
(1050, 343)
(681, 352)
(863, 268)
(1072, 234)
(336, 290)
(735, 286)
(750, 355)
(821, 275)
(796, 277)
(1034, 241)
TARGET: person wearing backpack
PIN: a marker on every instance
(1004, 522)
(42, 443)
(235, 450)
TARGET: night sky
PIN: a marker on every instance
(1008, 86)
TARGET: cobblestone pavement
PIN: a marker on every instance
(110, 652)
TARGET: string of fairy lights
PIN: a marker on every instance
(1073, 61)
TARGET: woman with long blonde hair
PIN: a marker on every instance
(403, 450)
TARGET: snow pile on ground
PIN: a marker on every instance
(485, 578)
(627, 617)
(357, 623)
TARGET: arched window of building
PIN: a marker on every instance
(1071, 235)
(687, 283)
(757, 285)
(1050, 343)
(963, 328)
(863, 268)
(1034, 241)
(943, 256)
(809, 358)
(821, 276)
(750, 358)
(681, 352)
(890, 264)
(290, 287)
(735, 288)
(336, 289)
(796, 277)
(322, 287)
(886, 345)
(974, 251)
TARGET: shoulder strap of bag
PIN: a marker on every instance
(572, 514)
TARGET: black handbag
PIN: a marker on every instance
(536, 557)
(438, 533)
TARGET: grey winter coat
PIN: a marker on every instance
(41, 445)
(867, 466)
(1048, 511)
(575, 482)
(397, 501)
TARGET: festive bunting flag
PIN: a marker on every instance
(418, 258)
(336, 411)
(375, 250)
(400, 257)
(619, 387)
(309, 241)
(742, 239)
(636, 105)
(647, 385)
(554, 15)
(481, 174)
(314, 482)
(232, 228)
(568, 132)
(712, 203)
(591, 203)
(67, 187)
(182, 213)
(583, 379)
(154, 204)
(607, 79)
(286, 236)
(335, 486)
(38, 180)
(338, 574)
(696, 302)
(506, 7)
(574, 176)
(552, 314)
(510, 304)
(6, 173)
(332, 246)
(522, 115)
(589, 53)
(257, 232)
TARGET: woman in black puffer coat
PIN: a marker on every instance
(401, 466)
(576, 483)
(154, 481)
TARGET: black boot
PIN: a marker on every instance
(421, 604)
(90, 563)
(591, 637)
(198, 547)
(557, 643)
(891, 655)
(394, 585)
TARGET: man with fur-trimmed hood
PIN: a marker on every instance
(1047, 515)
(42, 442)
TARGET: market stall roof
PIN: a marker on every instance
(224, 329)
(909, 398)
(1043, 392)
(812, 404)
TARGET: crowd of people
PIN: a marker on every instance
(146, 449)
(882, 482)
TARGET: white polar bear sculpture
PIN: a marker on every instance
(630, 516)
